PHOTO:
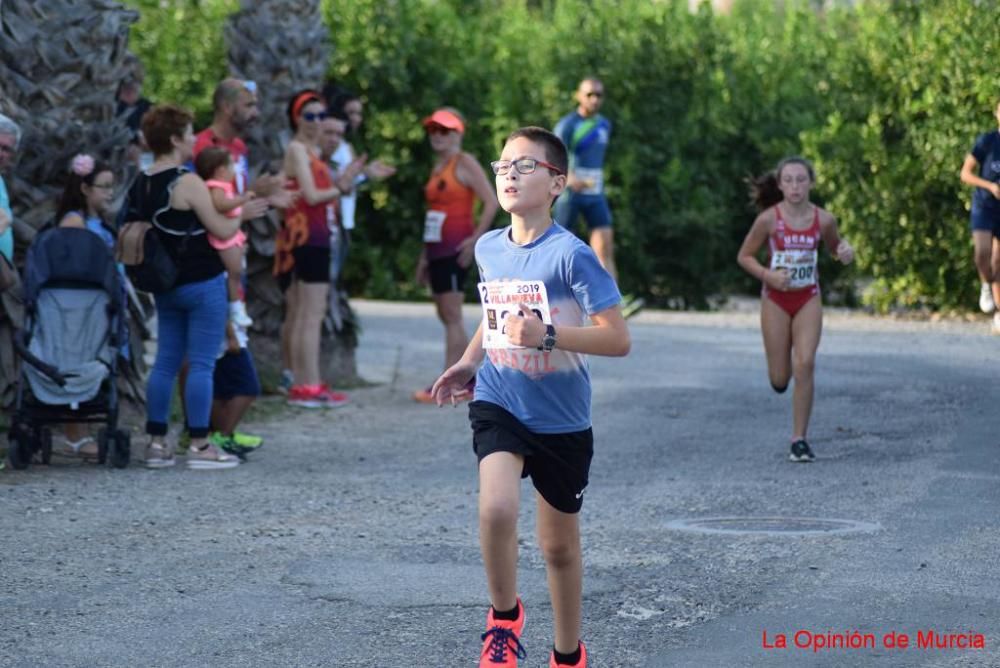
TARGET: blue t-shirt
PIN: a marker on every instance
(586, 141)
(549, 392)
(986, 151)
(7, 238)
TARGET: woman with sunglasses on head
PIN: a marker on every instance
(302, 251)
(457, 180)
(791, 312)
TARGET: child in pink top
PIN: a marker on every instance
(215, 166)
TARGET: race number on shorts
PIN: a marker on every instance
(800, 265)
(501, 299)
(433, 224)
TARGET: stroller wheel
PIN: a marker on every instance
(45, 445)
(120, 449)
(20, 450)
(102, 446)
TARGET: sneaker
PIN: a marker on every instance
(502, 641)
(315, 396)
(238, 314)
(995, 324)
(424, 396)
(285, 382)
(158, 456)
(332, 398)
(247, 440)
(986, 304)
(801, 452)
(631, 305)
(228, 444)
(582, 663)
(210, 458)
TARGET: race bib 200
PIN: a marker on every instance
(800, 265)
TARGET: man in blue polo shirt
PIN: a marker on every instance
(585, 132)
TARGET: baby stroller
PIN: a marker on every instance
(73, 331)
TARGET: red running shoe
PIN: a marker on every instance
(315, 396)
(582, 663)
(502, 641)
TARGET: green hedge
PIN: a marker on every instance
(886, 99)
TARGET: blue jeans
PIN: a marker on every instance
(191, 323)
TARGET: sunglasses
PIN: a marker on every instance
(438, 130)
(250, 86)
(594, 93)
(522, 165)
(311, 117)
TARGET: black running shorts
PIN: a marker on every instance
(312, 264)
(559, 464)
(447, 275)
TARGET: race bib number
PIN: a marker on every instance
(501, 299)
(800, 265)
(594, 179)
(433, 224)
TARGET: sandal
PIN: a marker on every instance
(85, 448)
(159, 456)
(209, 457)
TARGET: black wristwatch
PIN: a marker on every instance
(548, 339)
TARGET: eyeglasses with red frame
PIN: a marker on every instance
(522, 165)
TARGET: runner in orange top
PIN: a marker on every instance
(450, 236)
(302, 250)
(791, 313)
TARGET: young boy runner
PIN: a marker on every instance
(531, 414)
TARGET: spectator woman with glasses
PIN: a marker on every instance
(302, 252)
(457, 180)
(84, 204)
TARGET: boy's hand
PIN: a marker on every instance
(526, 328)
(845, 253)
(453, 383)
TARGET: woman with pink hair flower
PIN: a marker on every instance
(84, 203)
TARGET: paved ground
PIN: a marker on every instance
(350, 540)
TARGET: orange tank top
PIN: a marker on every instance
(305, 224)
(446, 195)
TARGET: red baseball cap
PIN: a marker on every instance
(446, 118)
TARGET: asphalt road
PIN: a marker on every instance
(350, 540)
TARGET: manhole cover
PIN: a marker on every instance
(772, 526)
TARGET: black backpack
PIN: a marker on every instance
(140, 249)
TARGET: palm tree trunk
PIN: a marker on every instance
(284, 46)
(60, 65)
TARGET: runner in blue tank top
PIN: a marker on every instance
(585, 132)
(981, 170)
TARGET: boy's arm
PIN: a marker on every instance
(609, 335)
(452, 384)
